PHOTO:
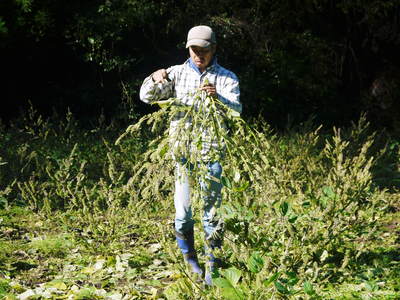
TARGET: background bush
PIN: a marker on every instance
(328, 59)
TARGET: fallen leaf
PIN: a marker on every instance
(153, 248)
(116, 296)
(25, 295)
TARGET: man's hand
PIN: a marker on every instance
(160, 76)
(209, 89)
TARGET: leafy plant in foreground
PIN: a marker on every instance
(208, 131)
(308, 221)
(299, 202)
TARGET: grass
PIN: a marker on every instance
(83, 218)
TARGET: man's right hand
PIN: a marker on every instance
(160, 76)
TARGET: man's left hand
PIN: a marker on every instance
(209, 89)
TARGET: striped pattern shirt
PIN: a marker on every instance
(183, 82)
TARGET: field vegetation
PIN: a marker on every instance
(311, 174)
(310, 212)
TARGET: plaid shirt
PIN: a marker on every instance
(185, 79)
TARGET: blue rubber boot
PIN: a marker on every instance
(213, 263)
(211, 266)
(186, 244)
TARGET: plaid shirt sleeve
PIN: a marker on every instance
(151, 91)
(229, 94)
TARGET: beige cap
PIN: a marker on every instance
(202, 36)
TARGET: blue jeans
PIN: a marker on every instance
(211, 196)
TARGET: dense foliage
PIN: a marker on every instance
(88, 214)
(295, 59)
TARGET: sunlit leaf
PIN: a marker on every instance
(57, 284)
(324, 256)
(116, 296)
(232, 274)
(308, 288)
(255, 262)
(222, 283)
(28, 294)
(228, 291)
(328, 191)
(88, 270)
(164, 103)
(163, 151)
(236, 177)
(293, 219)
(243, 187)
(233, 113)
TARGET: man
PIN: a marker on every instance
(182, 82)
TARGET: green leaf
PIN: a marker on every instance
(233, 113)
(371, 286)
(270, 280)
(57, 284)
(324, 255)
(227, 289)
(284, 208)
(255, 263)
(243, 187)
(328, 191)
(292, 278)
(308, 288)
(236, 177)
(323, 201)
(222, 283)
(163, 151)
(3, 27)
(226, 182)
(233, 275)
(281, 288)
(88, 270)
(164, 103)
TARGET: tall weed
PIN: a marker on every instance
(298, 208)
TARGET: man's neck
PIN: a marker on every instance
(197, 69)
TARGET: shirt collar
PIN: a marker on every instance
(194, 67)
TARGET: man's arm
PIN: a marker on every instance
(156, 87)
(230, 94)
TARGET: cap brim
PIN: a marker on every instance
(198, 43)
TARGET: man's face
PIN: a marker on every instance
(202, 57)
